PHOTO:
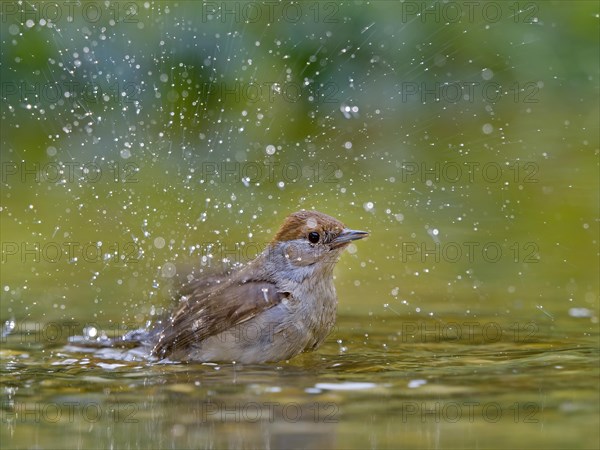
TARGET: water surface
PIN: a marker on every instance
(406, 383)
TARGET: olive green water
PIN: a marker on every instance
(140, 141)
(379, 388)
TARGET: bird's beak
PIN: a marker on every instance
(346, 236)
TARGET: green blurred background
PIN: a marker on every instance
(178, 134)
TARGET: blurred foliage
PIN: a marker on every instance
(173, 104)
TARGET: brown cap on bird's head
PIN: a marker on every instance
(299, 224)
(316, 228)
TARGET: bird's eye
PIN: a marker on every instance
(313, 237)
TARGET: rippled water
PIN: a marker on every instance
(464, 382)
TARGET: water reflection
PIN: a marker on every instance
(378, 389)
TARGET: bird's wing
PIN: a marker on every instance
(205, 312)
(205, 283)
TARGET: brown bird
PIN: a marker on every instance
(280, 304)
